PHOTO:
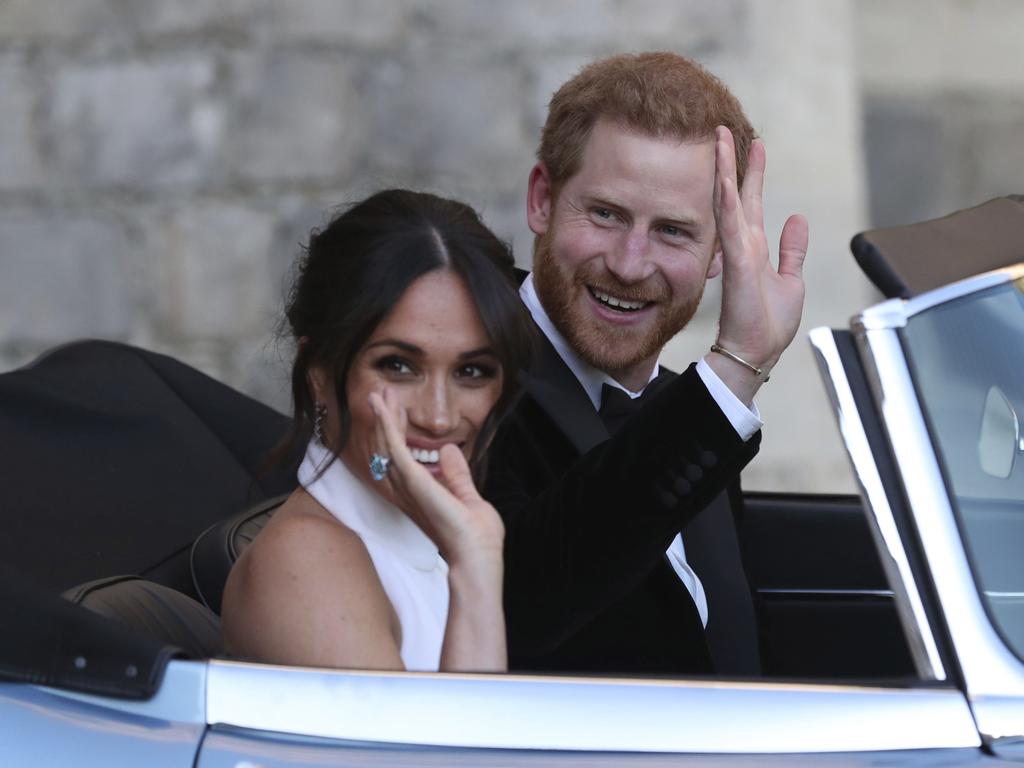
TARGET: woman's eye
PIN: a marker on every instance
(394, 365)
(476, 371)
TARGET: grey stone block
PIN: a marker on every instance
(994, 143)
(461, 116)
(339, 22)
(167, 17)
(54, 20)
(932, 153)
(21, 164)
(583, 24)
(210, 274)
(138, 123)
(905, 145)
(297, 116)
(63, 276)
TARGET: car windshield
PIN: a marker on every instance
(967, 360)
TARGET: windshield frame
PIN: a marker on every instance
(992, 674)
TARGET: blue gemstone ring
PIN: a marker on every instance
(379, 466)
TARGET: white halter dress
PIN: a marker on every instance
(411, 570)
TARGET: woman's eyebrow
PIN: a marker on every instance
(405, 346)
(412, 349)
(479, 352)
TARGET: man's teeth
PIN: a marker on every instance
(629, 306)
(423, 456)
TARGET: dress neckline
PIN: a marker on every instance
(329, 480)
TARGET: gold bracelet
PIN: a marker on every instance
(716, 347)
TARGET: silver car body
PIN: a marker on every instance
(966, 705)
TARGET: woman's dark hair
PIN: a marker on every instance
(355, 271)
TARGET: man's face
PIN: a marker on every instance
(625, 248)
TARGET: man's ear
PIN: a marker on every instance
(715, 265)
(539, 200)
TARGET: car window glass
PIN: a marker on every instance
(967, 358)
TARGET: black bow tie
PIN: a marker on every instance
(617, 406)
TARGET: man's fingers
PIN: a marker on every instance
(728, 213)
(793, 246)
(752, 192)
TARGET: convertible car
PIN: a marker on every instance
(892, 624)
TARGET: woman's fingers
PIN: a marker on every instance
(456, 475)
(390, 435)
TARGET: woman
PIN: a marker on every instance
(409, 334)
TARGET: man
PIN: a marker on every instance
(648, 184)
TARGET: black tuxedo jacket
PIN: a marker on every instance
(588, 586)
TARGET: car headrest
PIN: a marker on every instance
(906, 261)
(220, 545)
(153, 610)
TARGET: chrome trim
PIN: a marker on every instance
(894, 313)
(964, 287)
(581, 714)
(881, 520)
(989, 669)
(888, 314)
(815, 593)
(181, 697)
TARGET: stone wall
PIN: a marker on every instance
(162, 160)
(943, 93)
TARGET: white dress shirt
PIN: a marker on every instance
(744, 420)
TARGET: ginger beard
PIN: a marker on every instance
(607, 347)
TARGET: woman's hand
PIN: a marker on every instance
(448, 508)
(467, 531)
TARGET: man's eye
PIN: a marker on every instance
(604, 214)
(672, 231)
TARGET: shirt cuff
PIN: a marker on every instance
(745, 421)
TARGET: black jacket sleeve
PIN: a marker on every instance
(583, 531)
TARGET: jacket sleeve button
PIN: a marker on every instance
(694, 473)
(682, 487)
(707, 459)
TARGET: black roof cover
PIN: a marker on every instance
(113, 459)
(909, 260)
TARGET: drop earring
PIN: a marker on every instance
(319, 412)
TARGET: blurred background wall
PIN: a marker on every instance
(162, 160)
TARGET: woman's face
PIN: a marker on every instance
(435, 357)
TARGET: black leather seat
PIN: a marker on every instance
(220, 545)
(153, 610)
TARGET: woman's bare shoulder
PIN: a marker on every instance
(302, 578)
(301, 529)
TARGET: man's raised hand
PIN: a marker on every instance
(761, 306)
